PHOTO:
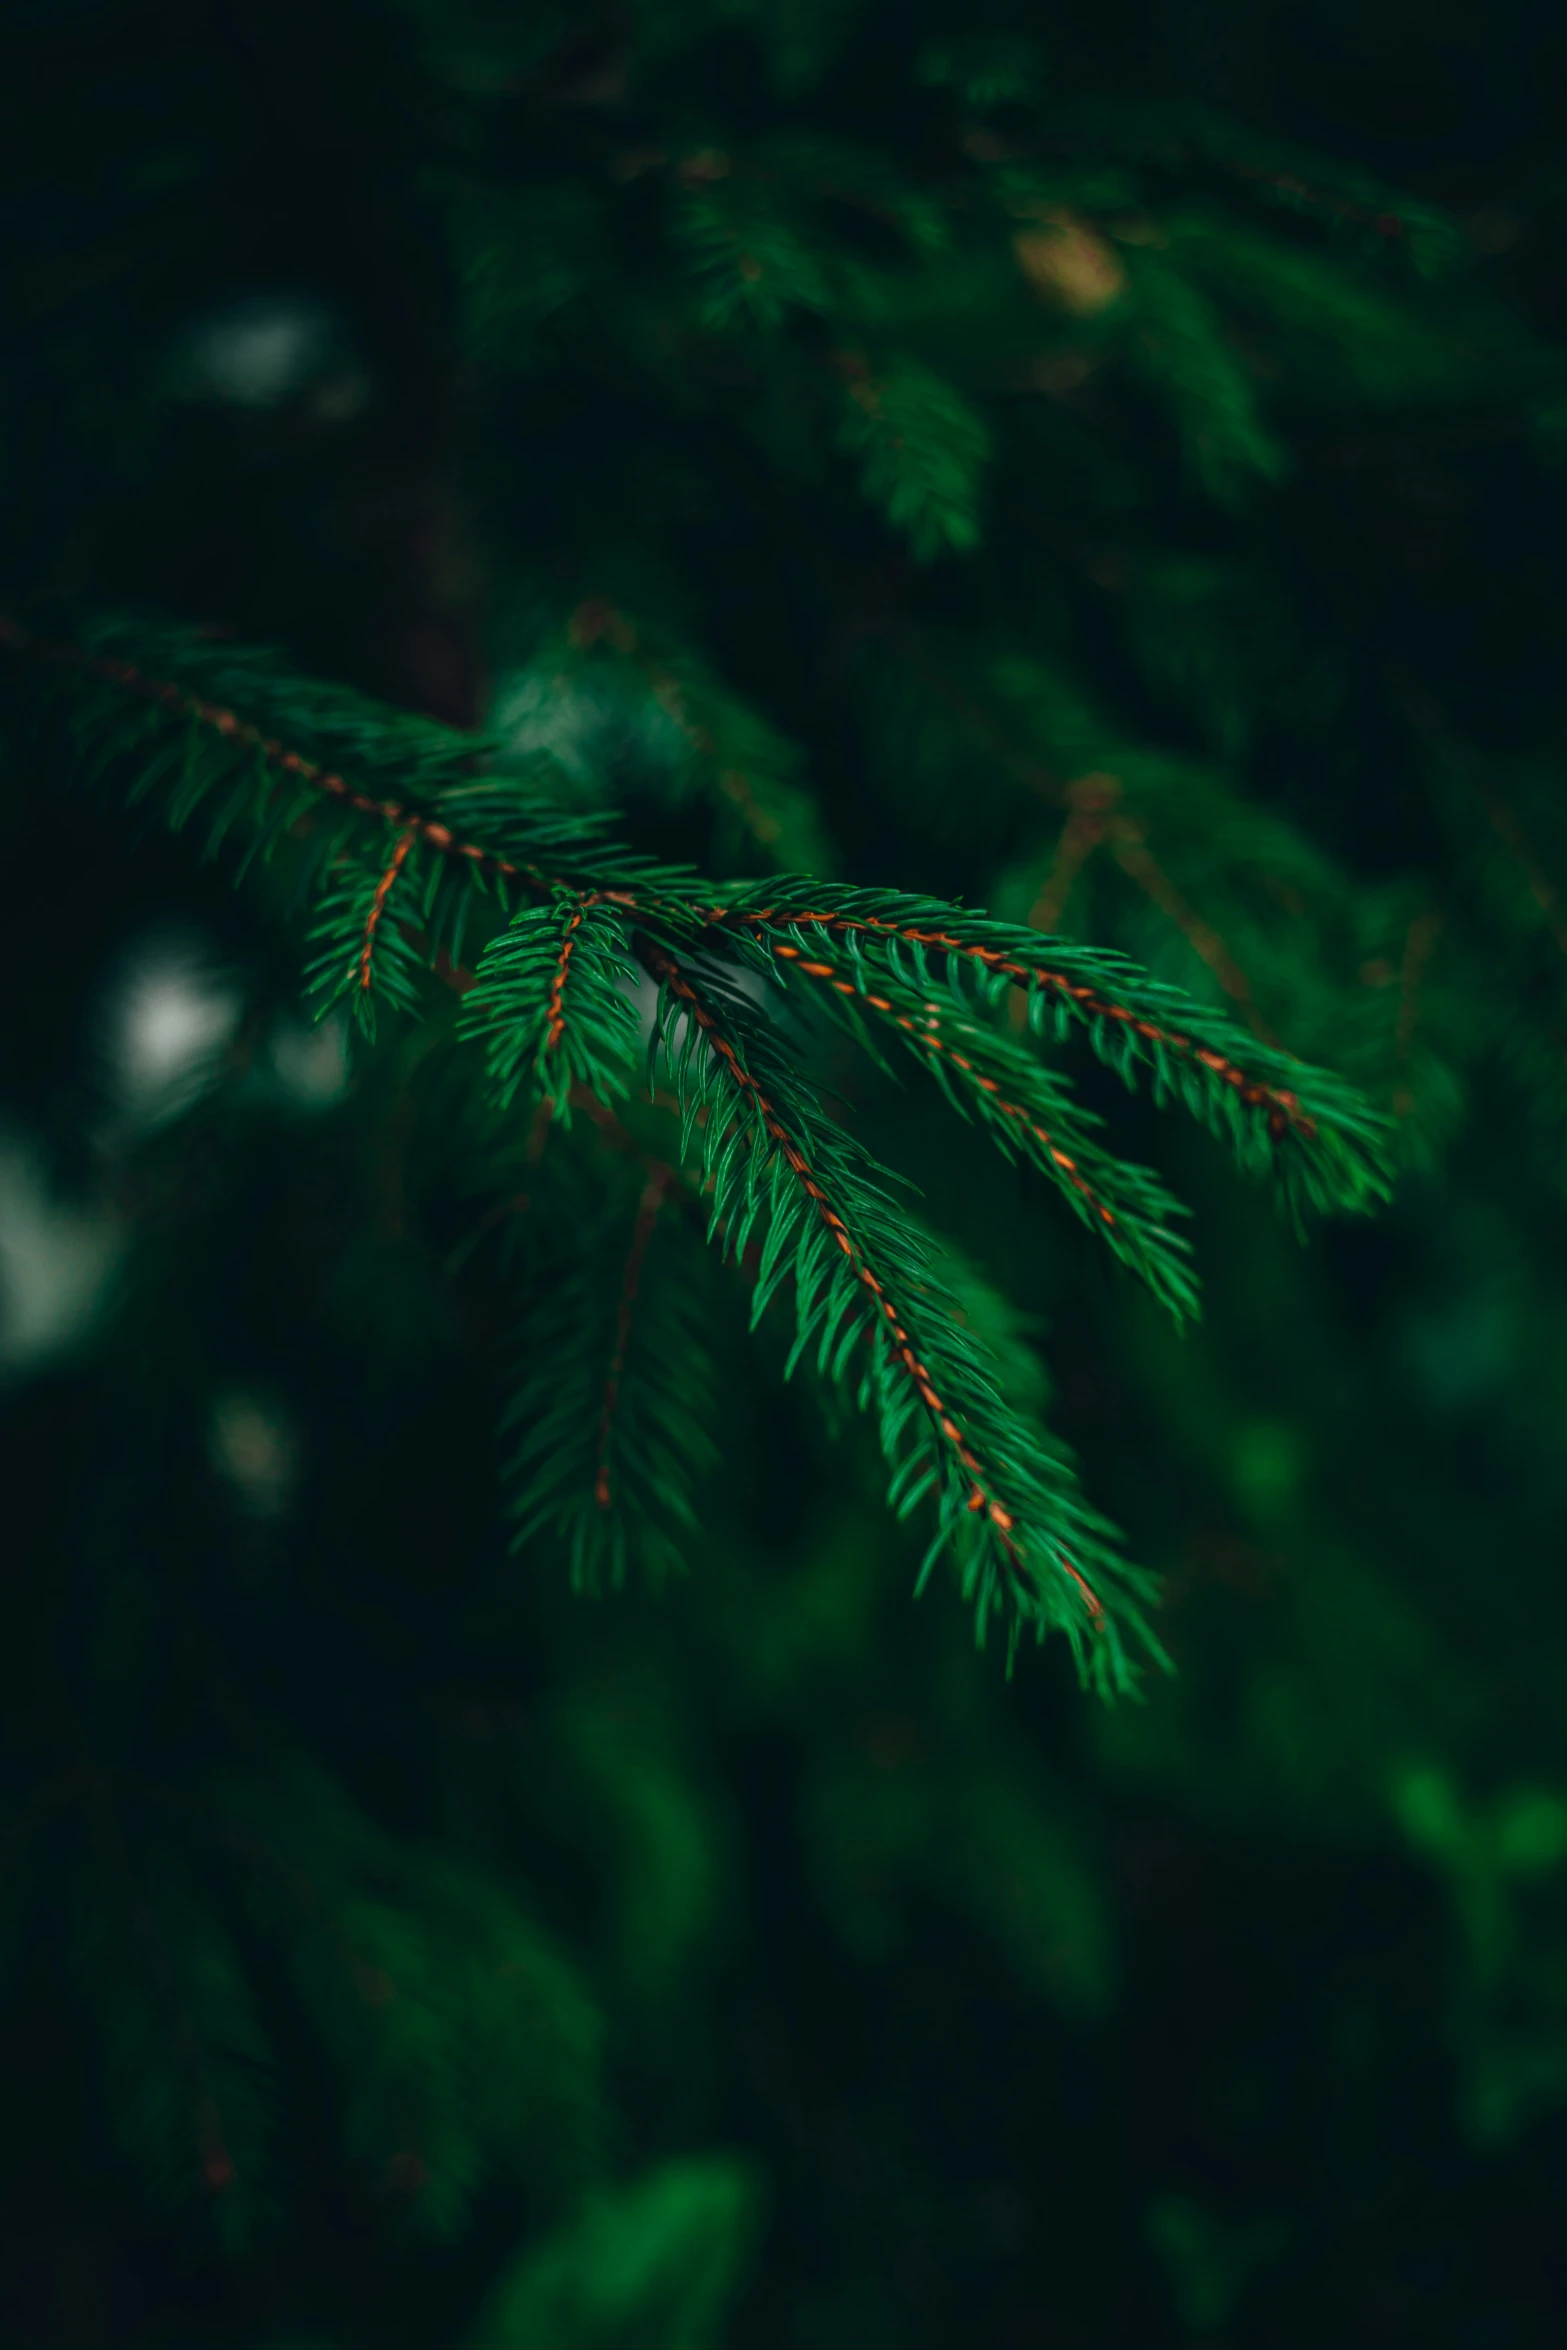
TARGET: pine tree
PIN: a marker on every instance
(725, 614)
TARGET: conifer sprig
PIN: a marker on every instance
(868, 1299)
(469, 2046)
(611, 1421)
(230, 741)
(1024, 1107)
(552, 1002)
(1303, 1126)
(366, 950)
(429, 848)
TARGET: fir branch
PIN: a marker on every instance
(466, 2045)
(1178, 345)
(552, 1001)
(923, 450)
(555, 1005)
(612, 1414)
(1026, 1110)
(1281, 1116)
(383, 890)
(226, 711)
(356, 952)
(1145, 1023)
(653, 1197)
(1008, 1508)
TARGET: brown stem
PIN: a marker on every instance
(980, 1499)
(384, 888)
(1281, 1103)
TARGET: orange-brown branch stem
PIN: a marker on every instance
(1283, 1106)
(213, 716)
(925, 1036)
(384, 888)
(980, 1499)
(555, 1009)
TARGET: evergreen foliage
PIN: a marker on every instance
(883, 666)
(407, 883)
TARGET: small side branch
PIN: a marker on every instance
(1281, 1104)
(925, 1037)
(384, 889)
(555, 1009)
(655, 1192)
